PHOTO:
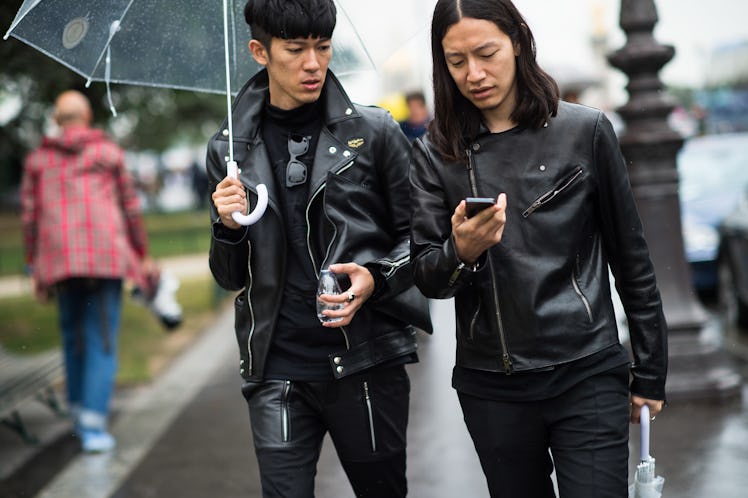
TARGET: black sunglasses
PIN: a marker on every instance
(296, 170)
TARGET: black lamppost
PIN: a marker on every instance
(698, 366)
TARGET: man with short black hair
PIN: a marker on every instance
(337, 177)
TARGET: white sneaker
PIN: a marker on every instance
(96, 441)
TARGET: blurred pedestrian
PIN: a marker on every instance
(337, 176)
(416, 124)
(83, 235)
(539, 364)
(199, 179)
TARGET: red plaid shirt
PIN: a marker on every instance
(80, 212)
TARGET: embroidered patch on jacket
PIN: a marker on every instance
(355, 143)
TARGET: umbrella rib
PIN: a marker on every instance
(108, 43)
(358, 36)
(19, 19)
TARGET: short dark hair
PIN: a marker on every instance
(288, 19)
(456, 120)
(415, 95)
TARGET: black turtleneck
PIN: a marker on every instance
(300, 345)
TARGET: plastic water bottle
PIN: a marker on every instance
(328, 284)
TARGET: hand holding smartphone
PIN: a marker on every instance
(474, 205)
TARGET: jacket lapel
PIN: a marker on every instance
(331, 155)
(249, 150)
(256, 169)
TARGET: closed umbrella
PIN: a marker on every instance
(198, 45)
(646, 483)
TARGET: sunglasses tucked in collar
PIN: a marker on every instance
(296, 171)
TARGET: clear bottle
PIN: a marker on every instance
(328, 284)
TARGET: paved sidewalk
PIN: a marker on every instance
(188, 435)
(146, 417)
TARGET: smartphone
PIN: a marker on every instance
(475, 205)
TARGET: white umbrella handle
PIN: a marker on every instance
(232, 169)
(262, 199)
(644, 433)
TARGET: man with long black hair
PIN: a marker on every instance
(337, 176)
(542, 379)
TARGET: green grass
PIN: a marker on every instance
(144, 347)
(169, 234)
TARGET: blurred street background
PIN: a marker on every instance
(180, 421)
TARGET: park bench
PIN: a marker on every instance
(27, 377)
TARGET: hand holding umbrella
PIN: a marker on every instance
(232, 168)
(646, 484)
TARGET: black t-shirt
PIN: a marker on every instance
(300, 345)
(540, 384)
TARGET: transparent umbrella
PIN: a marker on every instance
(198, 45)
(646, 483)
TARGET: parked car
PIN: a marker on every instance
(733, 263)
(713, 173)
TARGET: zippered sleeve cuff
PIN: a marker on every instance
(380, 281)
(462, 271)
(227, 235)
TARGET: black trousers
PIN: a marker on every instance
(365, 414)
(585, 429)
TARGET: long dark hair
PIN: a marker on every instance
(456, 120)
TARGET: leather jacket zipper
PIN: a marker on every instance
(506, 360)
(370, 417)
(475, 320)
(285, 415)
(251, 313)
(329, 246)
(553, 193)
(581, 295)
(471, 173)
(395, 265)
(250, 365)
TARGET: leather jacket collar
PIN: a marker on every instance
(247, 107)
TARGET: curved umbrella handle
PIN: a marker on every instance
(644, 433)
(232, 170)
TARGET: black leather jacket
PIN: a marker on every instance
(358, 211)
(541, 296)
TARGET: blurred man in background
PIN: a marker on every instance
(83, 235)
(418, 116)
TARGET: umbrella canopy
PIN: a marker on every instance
(162, 43)
(198, 45)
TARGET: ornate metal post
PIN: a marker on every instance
(698, 367)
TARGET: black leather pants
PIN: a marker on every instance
(366, 415)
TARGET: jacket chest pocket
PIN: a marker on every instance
(566, 184)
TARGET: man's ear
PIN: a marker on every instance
(259, 52)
